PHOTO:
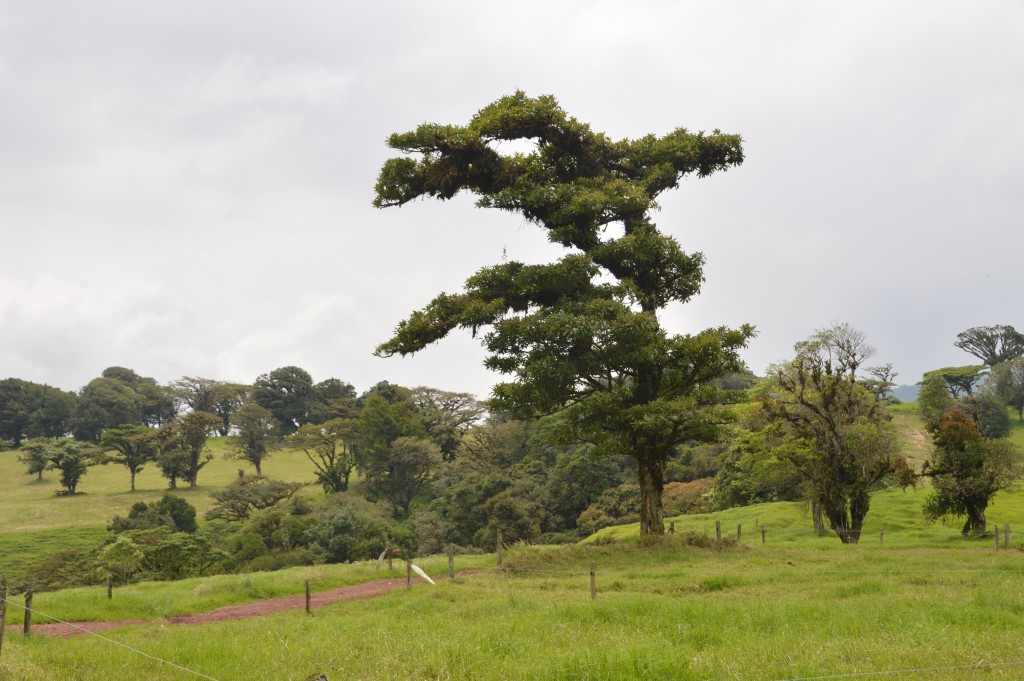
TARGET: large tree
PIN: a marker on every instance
(29, 410)
(581, 334)
(992, 344)
(852, 445)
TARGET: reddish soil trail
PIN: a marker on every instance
(236, 612)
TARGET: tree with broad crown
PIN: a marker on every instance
(992, 344)
(581, 334)
(133, 447)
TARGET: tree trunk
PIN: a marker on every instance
(259, 471)
(819, 524)
(976, 523)
(651, 475)
(133, 479)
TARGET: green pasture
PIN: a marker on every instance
(664, 610)
(36, 524)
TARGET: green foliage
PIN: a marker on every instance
(70, 457)
(935, 399)
(249, 493)
(761, 466)
(31, 410)
(616, 506)
(332, 448)
(1007, 382)
(992, 344)
(967, 470)
(581, 334)
(357, 530)
(851, 443)
(258, 434)
(130, 446)
(959, 380)
(403, 471)
(290, 395)
(183, 447)
(170, 511)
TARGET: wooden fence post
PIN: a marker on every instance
(3, 609)
(672, 527)
(718, 535)
(881, 536)
(309, 610)
(739, 533)
(408, 575)
(28, 612)
(1006, 542)
(996, 535)
(390, 555)
(499, 547)
(593, 581)
(110, 588)
(762, 534)
(451, 564)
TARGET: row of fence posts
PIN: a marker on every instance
(718, 532)
(4, 592)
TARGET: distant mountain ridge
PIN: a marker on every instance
(907, 393)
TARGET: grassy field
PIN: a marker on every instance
(664, 611)
(798, 606)
(36, 524)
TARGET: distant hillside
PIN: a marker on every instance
(907, 393)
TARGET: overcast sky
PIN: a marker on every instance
(185, 186)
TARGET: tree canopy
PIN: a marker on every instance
(580, 334)
(992, 344)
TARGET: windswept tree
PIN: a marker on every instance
(581, 334)
(851, 444)
(992, 344)
(960, 381)
(132, 447)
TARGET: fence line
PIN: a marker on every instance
(110, 640)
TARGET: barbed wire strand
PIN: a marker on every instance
(110, 640)
(979, 665)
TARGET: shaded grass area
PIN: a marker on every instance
(664, 610)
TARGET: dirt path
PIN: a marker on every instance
(237, 612)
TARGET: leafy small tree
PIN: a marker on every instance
(852, 444)
(992, 344)
(188, 435)
(332, 448)
(34, 454)
(170, 511)
(581, 334)
(935, 399)
(72, 459)
(132, 447)
(258, 434)
(967, 469)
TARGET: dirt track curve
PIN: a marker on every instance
(237, 612)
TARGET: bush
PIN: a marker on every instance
(680, 498)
